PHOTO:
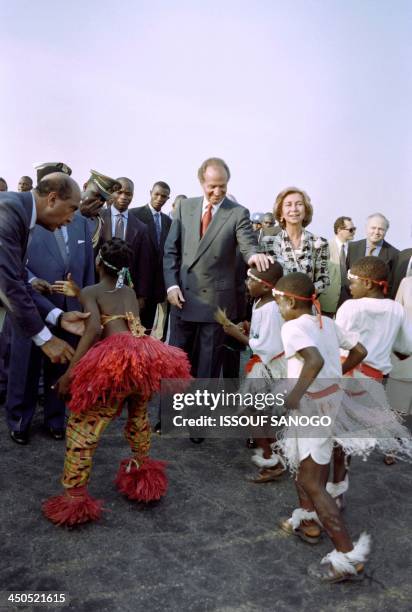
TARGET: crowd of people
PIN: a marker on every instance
(103, 300)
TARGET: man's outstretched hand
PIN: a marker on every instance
(57, 350)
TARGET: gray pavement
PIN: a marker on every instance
(210, 545)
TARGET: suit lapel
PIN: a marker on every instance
(218, 221)
(131, 229)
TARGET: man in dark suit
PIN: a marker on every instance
(200, 265)
(117, 222)
(158, 225)
(403, 268)
(51, 256)
(51, 205)
(375, 244)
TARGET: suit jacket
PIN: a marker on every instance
(329, 299)
(44, 259)
(388, 253)
(400, 269)
(144, 214)
(205, 268)
(137, 237)
(26, 307)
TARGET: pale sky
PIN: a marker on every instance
(312, 93)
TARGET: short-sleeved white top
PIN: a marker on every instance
(306, 332)
(382, 325)
(265, 332)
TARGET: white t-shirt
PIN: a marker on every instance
(382, 325)
(305, 332)
(264, 338)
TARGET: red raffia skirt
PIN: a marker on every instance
(122, 365)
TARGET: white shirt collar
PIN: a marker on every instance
(116, 213)
(340, 243)
(215, 208)
(153, 211)
(33, 213)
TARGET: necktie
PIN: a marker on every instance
(206, 219)
(61, 243)
(157, 226)
(371, 250)
(119, 229)
(342, 263)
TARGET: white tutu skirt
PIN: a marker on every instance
(399, 385)
(263, 378)
(361, 421)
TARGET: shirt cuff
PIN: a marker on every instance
(42, 337)
(173, 287)
(53, 316)
(32, 278)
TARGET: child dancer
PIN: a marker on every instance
(312, 351)
(383, 326)
(267, 363)
(125, 365)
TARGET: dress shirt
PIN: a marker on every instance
(44, 334)
(341, 244)
(377, 248)
(115, 214)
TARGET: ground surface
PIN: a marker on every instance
(210, 545)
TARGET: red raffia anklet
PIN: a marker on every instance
(73, 507)
(142, 479)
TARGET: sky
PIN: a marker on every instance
(311, 93)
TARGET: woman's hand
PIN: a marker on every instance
(66, 287)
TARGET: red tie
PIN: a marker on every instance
(206, 219)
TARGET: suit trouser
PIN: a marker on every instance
(84, 431)
(26, 360)
(207, 338)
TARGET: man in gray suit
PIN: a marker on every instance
(200, 266)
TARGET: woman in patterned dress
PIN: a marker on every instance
(296, 249)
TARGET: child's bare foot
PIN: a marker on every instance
(269, 474)
(389, 460)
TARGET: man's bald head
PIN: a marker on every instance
(57, 199)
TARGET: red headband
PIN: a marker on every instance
(312, 299)
(381, 283)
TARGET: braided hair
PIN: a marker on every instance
(114, 256)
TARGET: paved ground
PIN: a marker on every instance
(210, 545)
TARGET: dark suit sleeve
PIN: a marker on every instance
(15, 293)
(173, 252)
(245, 236)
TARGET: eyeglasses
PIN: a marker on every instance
(350, 229)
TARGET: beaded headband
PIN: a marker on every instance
(381, 283)
(312, 299)
(122, 274)
(259, 280)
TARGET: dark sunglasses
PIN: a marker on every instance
(350, 229)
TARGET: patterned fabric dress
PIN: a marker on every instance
(311, 259)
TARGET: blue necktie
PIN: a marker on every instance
(158, 226)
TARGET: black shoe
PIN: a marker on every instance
(196, 440)
(158, 428)
(56, 434)
(20, 437)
